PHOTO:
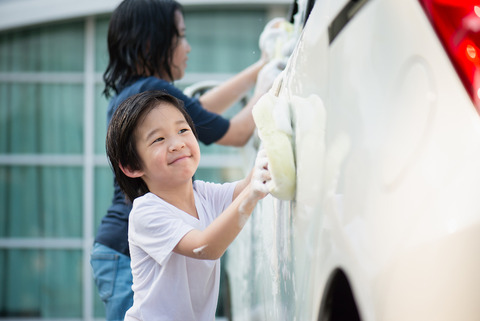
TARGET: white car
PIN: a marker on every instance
(385, 222)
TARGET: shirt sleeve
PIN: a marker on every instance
(218, 196)
(157, 230)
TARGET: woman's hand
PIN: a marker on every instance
(273, 35)
(267, 76)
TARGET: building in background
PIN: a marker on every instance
(55, 182)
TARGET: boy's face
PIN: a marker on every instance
(168, 148)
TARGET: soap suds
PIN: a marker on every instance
(200, 249)
(243, 216)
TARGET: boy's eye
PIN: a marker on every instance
(183, 130)
(159, 139)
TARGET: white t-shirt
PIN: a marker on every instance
(167, 285)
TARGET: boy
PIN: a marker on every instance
(178, 228)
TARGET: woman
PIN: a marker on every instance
(148, 51)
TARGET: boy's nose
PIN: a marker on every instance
(177, 144)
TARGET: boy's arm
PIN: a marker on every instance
(211, 243)
(241, 185)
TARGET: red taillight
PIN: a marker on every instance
(457, 23)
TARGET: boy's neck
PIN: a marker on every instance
(181, 197)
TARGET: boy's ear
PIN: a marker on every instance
(129, 172)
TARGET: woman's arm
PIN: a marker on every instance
(218, 99)
(223, 96)
(242, 124)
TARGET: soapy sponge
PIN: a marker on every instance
(277, 39)
(272, 118)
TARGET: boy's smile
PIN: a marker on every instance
(180, 158)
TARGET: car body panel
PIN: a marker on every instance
(387, 145)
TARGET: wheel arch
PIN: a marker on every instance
(338, 303)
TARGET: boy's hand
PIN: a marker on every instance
(261, 176)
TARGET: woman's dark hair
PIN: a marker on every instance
(141, 39)
(121, 143)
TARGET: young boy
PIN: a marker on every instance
(178, 228)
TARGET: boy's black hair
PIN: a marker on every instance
(121, 144)
(142, 36)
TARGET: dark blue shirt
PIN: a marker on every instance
(210, 127)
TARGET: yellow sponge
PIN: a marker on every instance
(272, 118)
